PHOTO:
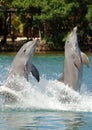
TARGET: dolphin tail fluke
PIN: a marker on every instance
(85, 59)
(35, 72)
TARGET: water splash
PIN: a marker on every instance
(47, 95)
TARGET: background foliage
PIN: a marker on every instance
(53, 19)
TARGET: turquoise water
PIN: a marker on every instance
(40, 107)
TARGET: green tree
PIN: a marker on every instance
(55, 18)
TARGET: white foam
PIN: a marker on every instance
(50, 95)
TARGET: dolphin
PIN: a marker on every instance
(22, 63)
(20, 67)
(73, 62)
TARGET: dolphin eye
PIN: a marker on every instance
(25, 50)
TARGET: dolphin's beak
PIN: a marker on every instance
(75, 29)
(36, 41)
(34, 44)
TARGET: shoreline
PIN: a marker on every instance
(42, 47)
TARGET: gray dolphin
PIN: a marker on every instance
(22, 63)
(73, 62)
(21, 66)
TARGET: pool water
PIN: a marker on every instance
(41, 107)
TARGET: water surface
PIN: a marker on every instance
(41, 108)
